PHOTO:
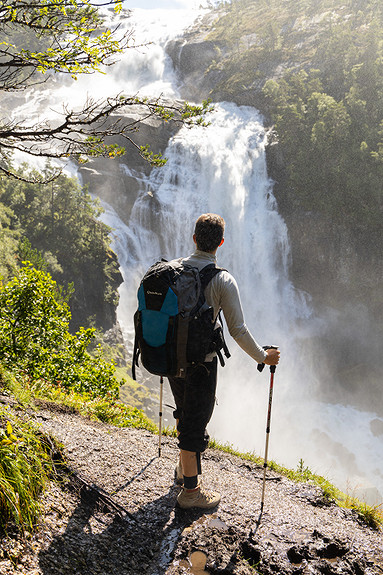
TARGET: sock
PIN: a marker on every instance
(190, 482)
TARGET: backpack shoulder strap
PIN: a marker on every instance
(207, 273)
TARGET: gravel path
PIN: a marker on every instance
(298, 533)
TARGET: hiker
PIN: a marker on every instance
(194, 394)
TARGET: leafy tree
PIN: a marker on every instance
(34, 337)
(327, 119)
(8, 242)
(61, 234)
(44, 37)
(316, 71)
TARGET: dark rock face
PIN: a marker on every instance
(191, 60)
(118, 182)
(377, 427)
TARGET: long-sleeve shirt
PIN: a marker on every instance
(222, 293)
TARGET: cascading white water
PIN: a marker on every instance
(222, 169)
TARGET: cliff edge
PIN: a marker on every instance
(116, 515)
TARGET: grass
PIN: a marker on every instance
(26, 465)
(132, 392)
(25, 468)
(105, 409)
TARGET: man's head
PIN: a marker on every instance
(208, 233)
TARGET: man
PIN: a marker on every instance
(195, 395)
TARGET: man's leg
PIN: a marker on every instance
(189, 463)
(194, 410)
(195, 398)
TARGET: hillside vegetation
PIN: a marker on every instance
(316, 70)
(57, 227)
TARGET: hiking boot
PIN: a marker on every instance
(178, 475)
(198, 497)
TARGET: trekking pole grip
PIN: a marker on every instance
(260, 366)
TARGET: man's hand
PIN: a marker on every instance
(272, 356)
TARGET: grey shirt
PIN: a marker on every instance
(222, 293)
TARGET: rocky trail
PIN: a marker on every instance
(117, 516)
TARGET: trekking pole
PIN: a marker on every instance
(160, 417)
(272, 371)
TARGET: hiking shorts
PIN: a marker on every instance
(194, 396)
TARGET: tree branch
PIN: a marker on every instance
(73, 43)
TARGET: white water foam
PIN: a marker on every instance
(222, 168)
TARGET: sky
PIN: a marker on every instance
(163, 4)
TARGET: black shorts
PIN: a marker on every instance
(195, 398)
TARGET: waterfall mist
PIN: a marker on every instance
(222, 168)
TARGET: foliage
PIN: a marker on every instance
(35, 340)
(26, 463)
(105, 409)
(25, 467)
(60, 233)
(68, 28)
(133, 393)
(371, 515)
(8, 241)
(316, 70)
(41, 38)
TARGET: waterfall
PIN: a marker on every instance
(222, 168)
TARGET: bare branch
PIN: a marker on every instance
(71, 39)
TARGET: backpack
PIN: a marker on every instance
(175, 328)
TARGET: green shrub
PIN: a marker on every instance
(35, 337)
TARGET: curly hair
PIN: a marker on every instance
(209, 230)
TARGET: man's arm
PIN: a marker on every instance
(226, 291)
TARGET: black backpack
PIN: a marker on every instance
(175, 328)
